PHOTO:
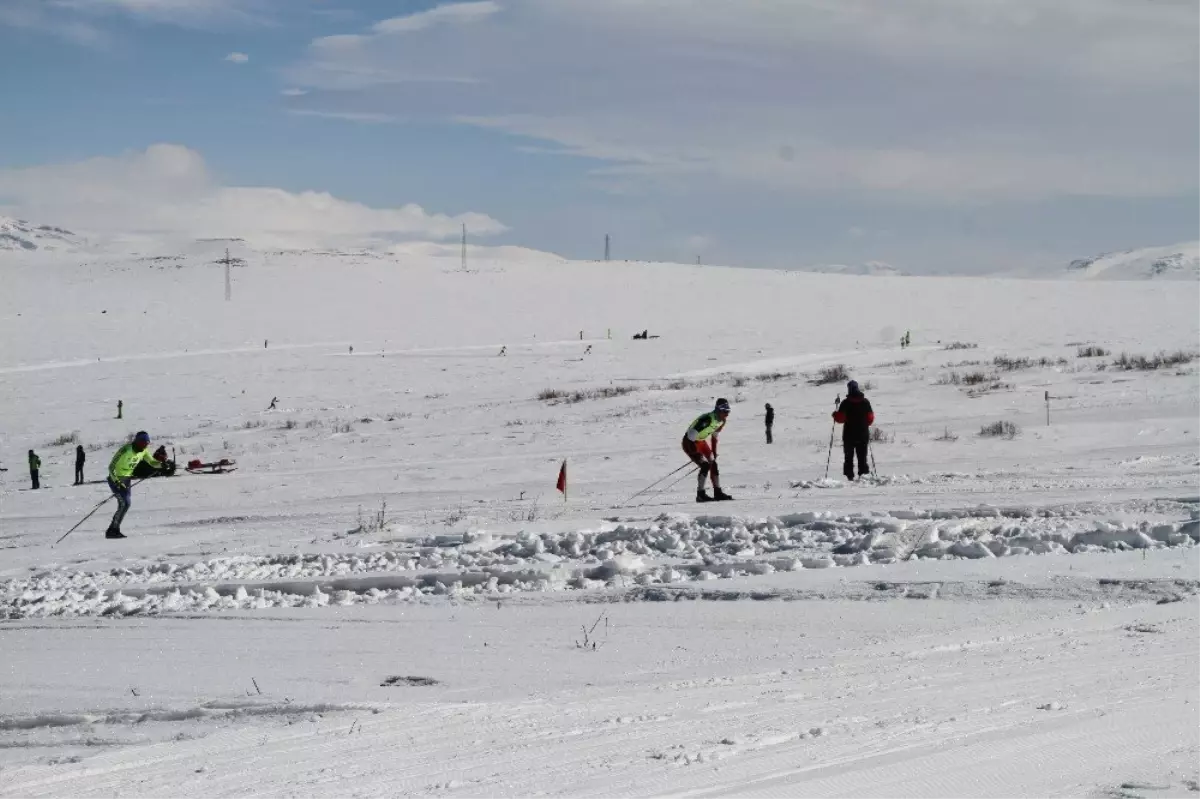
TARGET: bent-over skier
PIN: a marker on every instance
(120, 476)
(856, 415)
(700, 444)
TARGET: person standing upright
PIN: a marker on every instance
(35, 468)
(80, 458)
(770, 422)
(857, 416)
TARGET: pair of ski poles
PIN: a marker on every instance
(91, 513)
(659, 480)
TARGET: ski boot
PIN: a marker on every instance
(114, 532)
(702, 496)
(720, 495)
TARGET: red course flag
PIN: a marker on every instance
(562, 478)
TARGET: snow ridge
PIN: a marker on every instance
(19, 235)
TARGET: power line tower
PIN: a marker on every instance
(464, 247)
(228, 283)
(607, 248)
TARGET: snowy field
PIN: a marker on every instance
(389, 597)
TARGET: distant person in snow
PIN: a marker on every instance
(770, 422)
(120, 476)
(700, 444)
(120, 409)
(274, 400)
(80, 457)
(35, 467)
(856, 416)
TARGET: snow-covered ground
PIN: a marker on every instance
(394, 520)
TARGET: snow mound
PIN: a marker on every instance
(672, 548)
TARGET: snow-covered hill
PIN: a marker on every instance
(877, 268)
(389, 597)
(1175, 262)
(17, 234)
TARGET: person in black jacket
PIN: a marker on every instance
(35, 468)
(770, 423)
(857, 417)
(80, 457)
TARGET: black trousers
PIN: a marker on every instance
(770, 438)
(33, 475)
(852, 448)
(79, 474)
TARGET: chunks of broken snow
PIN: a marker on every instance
(672, 548)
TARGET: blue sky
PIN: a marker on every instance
(934, 135)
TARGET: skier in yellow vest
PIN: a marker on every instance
(120, 475)
(700, 444)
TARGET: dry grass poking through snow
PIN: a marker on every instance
(831, 374)
(1004, 429)
(555, 396)
(1161, 360)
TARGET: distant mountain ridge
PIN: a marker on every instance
(1174, 262)
(875, 268)
(18, 234)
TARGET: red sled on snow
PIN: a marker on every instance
(223, 466)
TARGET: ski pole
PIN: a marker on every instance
(871, 451)
(90, 514)
(656, 482)
(837, 401)
(84, 519)
(674, 483)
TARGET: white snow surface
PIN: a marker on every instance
(389, 597)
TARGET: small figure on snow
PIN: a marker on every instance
(503, 351)
(274, 400)
(120, 476)
(700, 444)
(80, 457)
(35, 467)
(120, 409)
(351, 349)
(770, 422)
(856, 415)
(588, 351)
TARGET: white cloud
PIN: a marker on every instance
(167, 190)
(237, 58)
(926, 100)
(349, 116)
(83, 21)
(169, 11)
(32, 16)
(452, 13)
(293, 92)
